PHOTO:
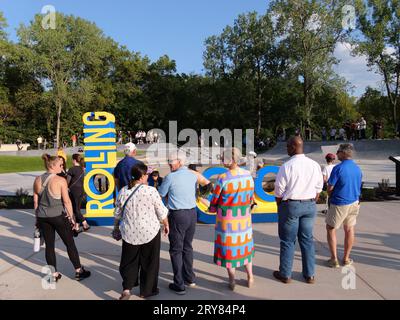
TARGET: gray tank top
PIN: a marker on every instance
(48, 207)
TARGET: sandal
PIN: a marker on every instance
(55, 279)
(348, 262)
(332, 263)
(125, 296)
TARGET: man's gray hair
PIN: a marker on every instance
(347, 149)
(178, 155)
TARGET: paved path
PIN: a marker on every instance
(376, 252)
(69, 151)
(10, 182)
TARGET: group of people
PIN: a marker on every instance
(141, 209)
(43, 144)
(140, 137)
(297, 188)
(351, 130)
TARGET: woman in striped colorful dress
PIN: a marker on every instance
(231, 201)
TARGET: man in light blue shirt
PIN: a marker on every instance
(180, 187)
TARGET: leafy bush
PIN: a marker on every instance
(3, 204)
(384, 185)
(322, 197)
(20, 201)
(22, 196)
(368, 195)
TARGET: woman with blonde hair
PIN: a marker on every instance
(50, 196)
(231, 201)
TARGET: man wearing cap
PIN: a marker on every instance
(327, 170)
(180, 186)
(344, 189)
(122, 172)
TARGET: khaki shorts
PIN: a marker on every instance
(346, 215)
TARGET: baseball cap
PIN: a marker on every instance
(330, 156)
(129, 147)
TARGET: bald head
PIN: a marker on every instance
(295, 146)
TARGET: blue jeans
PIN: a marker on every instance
(296, 219)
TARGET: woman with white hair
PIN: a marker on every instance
(232, 198)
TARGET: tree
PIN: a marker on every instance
(248, 52)
(3, 25)
(375, 107)
(379, 23)
(310, 29)
(6, 110)
(60, 58)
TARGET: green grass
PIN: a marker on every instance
(138, 153)
(11, 164)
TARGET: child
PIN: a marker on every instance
(326, 173)
(155, 180)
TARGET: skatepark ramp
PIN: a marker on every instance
(365, 150)
(371, 155)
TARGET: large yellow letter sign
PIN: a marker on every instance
(101, 159)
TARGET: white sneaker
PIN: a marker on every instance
(190, 284)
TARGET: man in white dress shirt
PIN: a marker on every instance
(297, 188)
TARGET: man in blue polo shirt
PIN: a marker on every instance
(344, 189)
(122, 172)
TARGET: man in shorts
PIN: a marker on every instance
(344, 189)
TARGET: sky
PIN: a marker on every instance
(177, 28)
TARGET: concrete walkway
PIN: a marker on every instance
(376, 255)
(10, 182)
(371, 156)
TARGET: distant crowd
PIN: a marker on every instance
(351, 130)
(139, 137)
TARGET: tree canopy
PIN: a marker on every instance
(264, 71)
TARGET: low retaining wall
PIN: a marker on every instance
(13, 147)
